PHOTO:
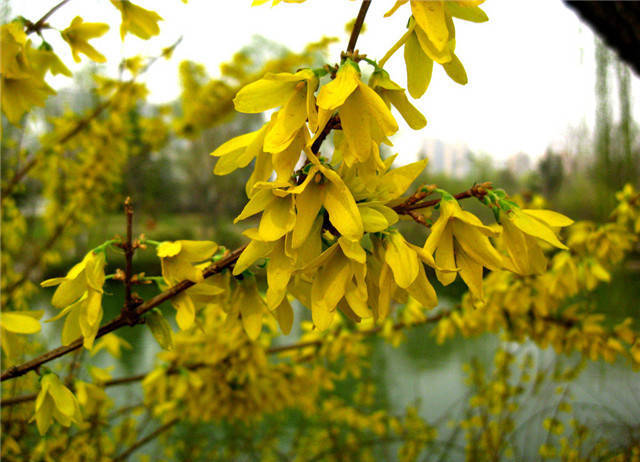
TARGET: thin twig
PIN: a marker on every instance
(141, 442)
(39, 24)
(128, 255)
(357, 26)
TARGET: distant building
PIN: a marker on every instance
(519, 164)
(450, 159)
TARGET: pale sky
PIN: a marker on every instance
(531, 68)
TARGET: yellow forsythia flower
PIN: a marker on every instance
(294, 92)
(112, 343)
(80, 294)
(178, 260)
(55, 401)
(394, 94)
(78, 34)
(365, 118)
(22, 78)
(136, 20)
(522, 228)
(460, 240)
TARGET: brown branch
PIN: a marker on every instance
(122, 320)
(334, 122)
(357, 26)
(478, 190)
(141, 442)
(128, 247)
(40, 23)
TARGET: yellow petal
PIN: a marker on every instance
(308, 205)
(356, 126)
(258, 202)
(334, 94)
(396, 5)
(278, 218)
(194, 251)
(235, 145)
(535, 228)
(136, 20)
(284, 316)
(395, 182)
(440, 56)
(356, 297)
(18, 322)
(387, 288)
(251, 309)
(273, 90)
(455, 70)
(438, 229)
(467, 12)
(431, 19)
(373, 221)
(63, 398)
(168, 249)
(378, 111)
(470, 272)
(186, 311)
(279, 270)
(254, 251)
(410, 114)
(419, 67)
(549, 217)
(476, 245)
(328, 288)
(289, 121)
(422, 290)
(342, 208)
(352, 250)
(444, 257)
(402, 260)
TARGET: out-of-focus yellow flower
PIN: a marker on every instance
(55, 401)
(78, 34)
(22, 70)
(17, 322)
(112, 343)
(137, 20)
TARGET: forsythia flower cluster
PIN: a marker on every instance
(544, 306)
(24, 66)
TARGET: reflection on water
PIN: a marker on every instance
(605, 397)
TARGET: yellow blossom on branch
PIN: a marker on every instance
(137, 20)
(78, 34)
(55, 401)
(365, 118)
(460, 240)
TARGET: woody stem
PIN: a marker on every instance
(357, 26)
